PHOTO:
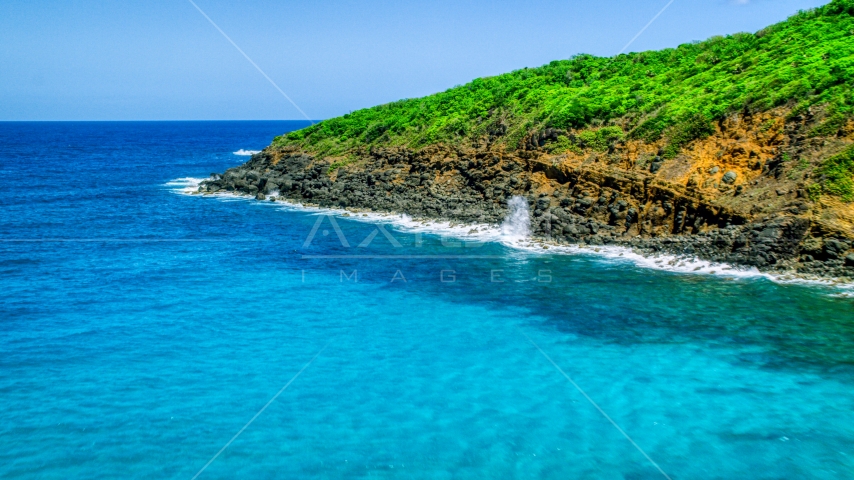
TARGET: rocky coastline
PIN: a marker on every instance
(585, 204)
(736, 150)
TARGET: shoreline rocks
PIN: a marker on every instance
(580, 206)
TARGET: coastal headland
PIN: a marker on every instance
(739, 149)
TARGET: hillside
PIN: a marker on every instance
(705, 140)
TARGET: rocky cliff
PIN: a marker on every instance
(739, 149)
(737, 196)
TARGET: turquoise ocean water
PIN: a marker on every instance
(141, 329)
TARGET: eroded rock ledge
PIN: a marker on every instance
(584, 203)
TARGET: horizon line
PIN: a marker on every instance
(165, 120)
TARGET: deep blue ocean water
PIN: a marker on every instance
(141, 329)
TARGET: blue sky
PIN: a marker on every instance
(161, 60)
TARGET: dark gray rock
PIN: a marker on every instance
(590, 213)
(729, 177)
(836, 248)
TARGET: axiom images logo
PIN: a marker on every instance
(321, 228)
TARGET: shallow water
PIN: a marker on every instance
(145, 328)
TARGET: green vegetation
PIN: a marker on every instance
(599, 140)
(564, 144)
(797, 170)
(836, 175)
(830, 126)
(676, 94)
(693, 127)
(767, 126)
(340, 163)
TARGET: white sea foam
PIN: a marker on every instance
(518, 221)
(845, 290)
(514, 233)
(185, 185)
(246, 153)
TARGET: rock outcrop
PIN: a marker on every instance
(737, 196)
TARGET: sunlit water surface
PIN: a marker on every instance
(148, 327)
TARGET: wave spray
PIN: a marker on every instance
(518, 221)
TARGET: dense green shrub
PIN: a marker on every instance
(600, 139)
(836, 175)
(693, 127)
(676, 94)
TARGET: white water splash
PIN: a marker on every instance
(186, 185)
(515, 233)
(517, 225)
(246, 153)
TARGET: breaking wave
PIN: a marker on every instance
(515, 232)
(246, 153)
